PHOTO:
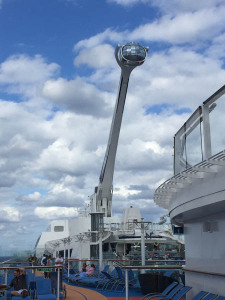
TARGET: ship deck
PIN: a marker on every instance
(81, 293)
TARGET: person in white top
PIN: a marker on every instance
(59, 260)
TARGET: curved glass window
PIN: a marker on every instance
(133, 52)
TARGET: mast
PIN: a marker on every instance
(128, 57)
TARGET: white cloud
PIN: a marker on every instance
(100, 56)
(53, 144)
(173, 6)
(77, 95)
(24, 74)
(183, 28)
(33, 197)
(107, 35)
(9, 214)
(128, 2)
(55, 212)
(176, 6)
(2, 227)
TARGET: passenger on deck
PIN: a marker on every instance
(84, 268)
(89, 271)
(59, 260)
(19, 283)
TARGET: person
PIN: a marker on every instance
(30, 260)
(44, 260)
(19, 283)
(34, 260)
(84, 268)
(89, 271)
(59, 262)
(49, 263)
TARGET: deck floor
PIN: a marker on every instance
(78, 293)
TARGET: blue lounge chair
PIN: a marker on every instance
(182, 292)
(220, 298)
(200, 295)
(92, 280)
(210, 296)
(164, 293)
(108, 281)
(19, 297)
(44, 291)
(169, 294)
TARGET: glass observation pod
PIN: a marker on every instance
(133, 54)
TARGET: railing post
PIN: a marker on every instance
(6, 275)
(206, 131)
(126, 284)
(58, 276)
(100, 251)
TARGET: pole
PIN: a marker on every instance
(100, 251)
(142, 246)
(206, 131)
(6, 275)
(58, 276)
(126, 284)
(68, 259)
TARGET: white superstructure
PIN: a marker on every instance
(195, 196)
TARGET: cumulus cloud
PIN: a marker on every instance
(77, 95)
(22, 74)
(176, 6)
(53, 144)
(128, 2)
(9, 214)
(55, 212)
(2, 227)
(94, 56)
(107, 35)
(185, 27)
(172, 6)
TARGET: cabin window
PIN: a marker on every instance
(59, 228)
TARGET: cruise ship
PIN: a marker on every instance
(195, 195)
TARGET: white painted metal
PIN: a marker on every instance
(142, 244)
(100, 251)
(102, 198)
(199, 205)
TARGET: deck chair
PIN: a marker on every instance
(53, 279)
(93, 281)
(107, 282)
(220, 298)
(19, 297)
(182, 292)
(166, 292)
(210, 296)
(200, 295)
(44, 291)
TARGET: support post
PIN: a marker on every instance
(100, 251)
(58, 277)
(206, 131)
(142, 245)
(6, 275)
(126, 284)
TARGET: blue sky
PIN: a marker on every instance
(58, 86)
